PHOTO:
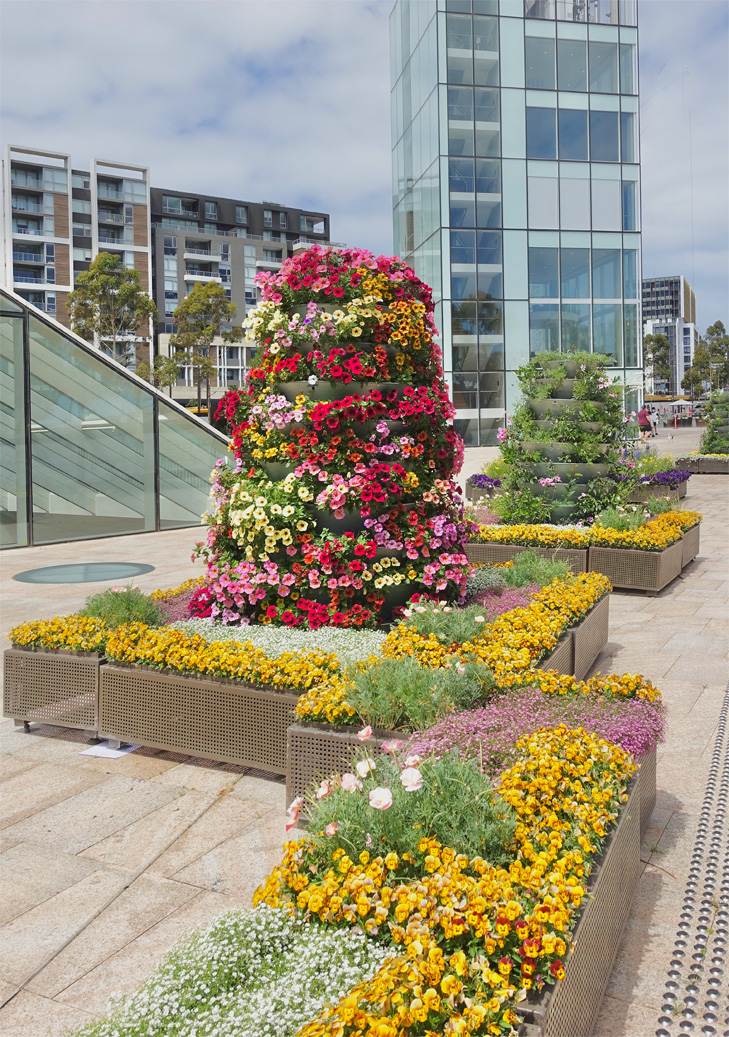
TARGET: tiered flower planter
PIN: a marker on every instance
(631, 569)
(210, 717)
(52, 687)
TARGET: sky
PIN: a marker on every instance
(288, 101)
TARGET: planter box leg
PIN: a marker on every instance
(25, 724)
(114, 743)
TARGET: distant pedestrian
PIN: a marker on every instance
(654, 422)
(644, 423)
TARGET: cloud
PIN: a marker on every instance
(288, 100)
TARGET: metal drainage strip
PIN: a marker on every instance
(696, 996)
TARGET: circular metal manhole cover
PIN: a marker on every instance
(84, 572)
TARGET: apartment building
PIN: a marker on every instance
(669, 308)
(201, 238)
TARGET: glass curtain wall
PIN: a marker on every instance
(88, 450)
(532, 237)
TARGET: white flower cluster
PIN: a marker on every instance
(350, 646)
(253, 973)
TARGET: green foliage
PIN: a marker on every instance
(715, 439)
(455, 804)
(109, 302)
(657, 356)
(122, 605)
(530, 567)
(485, 577)
(622, 517)
(199, 318)
(521, 506)
(448, 624)
(162, 374)
(395, 694)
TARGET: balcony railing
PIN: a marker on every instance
(26, 279)
(179, 212)
(109, 239)
(198, 251)
(28, 257)
(26, 180)
(105, 191)
(37, 231)
(25, 205)
(110, 217)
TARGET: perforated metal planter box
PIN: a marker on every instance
(691, 543)
(589, 637)
(317, 750)
(213, 718)
(560, 658)
(477, 492)
(480, 554)
(52, 687)
(647, 782)
(571, 1007)
(644, 493)
(638, 570)
(683, 488)
(714, 465)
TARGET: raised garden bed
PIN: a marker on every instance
(571, 1007)
(478, 554)
(714, 465)
(52, 687)
(561, 657)
(638, 570)
(589, 637)
(213, 718)
(315, 751)
(691, 542)
(644, 493)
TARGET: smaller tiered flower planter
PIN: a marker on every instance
(52, 687)
(210, 717)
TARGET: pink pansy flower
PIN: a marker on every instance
(332, 828)
(324, 789)
(365, 733)
(350, 783)
(392, 746)
(411, 779)
(380, 798)
(293, 812)
(364, 767)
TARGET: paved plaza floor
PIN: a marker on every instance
(107, 863)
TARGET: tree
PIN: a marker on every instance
(162, 374)
(199, 318)
(109, 303)
(657, 357)
(716, 342)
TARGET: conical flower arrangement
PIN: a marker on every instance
(341, 506)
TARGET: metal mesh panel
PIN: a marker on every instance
(58, 688)
(218, 720)
(645, 493)
(561, 658)
(571, 1008)
(317, 750)
(480, 553)
(714, 466)
(589, 637)
(647, 781)
(638, 570)
(682, 488)
(691, 542)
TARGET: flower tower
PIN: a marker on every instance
(341, 506)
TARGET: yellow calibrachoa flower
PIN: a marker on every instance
(170, 592)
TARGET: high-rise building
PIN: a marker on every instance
(201, 238)
(669, 308)
(516, 185)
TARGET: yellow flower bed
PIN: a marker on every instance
(474, 937)
(171, 592)
(655, 535)
(163, 648)
(69, 633)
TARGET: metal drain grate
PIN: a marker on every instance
(696, 996)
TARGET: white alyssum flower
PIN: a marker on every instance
(247, 974)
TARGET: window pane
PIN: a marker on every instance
(488, 248)
(574, 204)
(460, 175)
(630, 283)
(485, 34)
(542, 194)
(463, 247)
(487, 177)
(460, 141)
(13, 496)
(543, 327)
(541, 133)
(463, 214)
(575, 273)
(488, 214)
(487, 143)
(486, 105)
(571, 65)
(627, 136)
(629, 205)
(539, 8)
(458, 32)
(463, 318)
(463, 286)
(490, 318)
(184, 488)
(576, 326)
(606, 281)
(465, 358)
(93, 448)
(572, 134)
(604, 136)
(627, 68)
(603, 67)
(606, 205)
(630, 331)
(607, 330)
(543, 273)
(539, 69)
(460, 103)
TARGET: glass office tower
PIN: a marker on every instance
(516, 185)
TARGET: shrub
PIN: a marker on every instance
(119, 605)
(393, 694)
(448, 799)
(449, 625)
(530, 567)
(484, 578)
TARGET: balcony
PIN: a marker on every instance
(27, 257)
(106, 216)
(26, 205)
(110, 192)
(27, 279)
(169, 211)
(31, 180)
(269, 264)
(110, 239)
(193, 253)
(24, 229)
(202, 275)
